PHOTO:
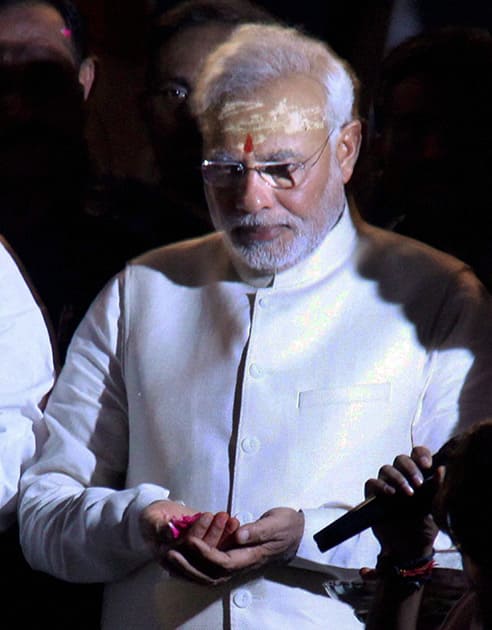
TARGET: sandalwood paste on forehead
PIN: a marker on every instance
(254, 118)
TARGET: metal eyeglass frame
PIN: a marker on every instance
(239, 170)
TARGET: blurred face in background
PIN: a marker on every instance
(433, 158)
(173, 130)
(36, 32)
(42, 145)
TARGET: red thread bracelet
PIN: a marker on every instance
(423, 571)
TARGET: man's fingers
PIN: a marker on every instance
(192, 568)
(227, 539)
(422, 457)
(275, 536)
(200, 527)
(412, 467)
(374, 487)
(272, 525)
(266, 529)
(228, 561)
(403, 476)
(155, 518)
(200, 562)
(216, 529)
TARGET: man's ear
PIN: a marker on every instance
(348, 147)
(87, 74)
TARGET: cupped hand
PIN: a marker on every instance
(154, 525)
(216, 548)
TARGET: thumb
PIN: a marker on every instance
(243, 535)
(258, 531)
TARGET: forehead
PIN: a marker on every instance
(30, 32)
(284, 110)
(182, 54)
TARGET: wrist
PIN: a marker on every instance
(409, 555)
(408, 574)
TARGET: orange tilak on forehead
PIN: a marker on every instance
(248, 144)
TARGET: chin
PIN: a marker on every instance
(269, 258)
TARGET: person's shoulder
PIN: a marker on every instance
(19, 297)
(193, 260)
(180, 251)
(7, 255)
(404, 251)
(13, 274)
(409, 271)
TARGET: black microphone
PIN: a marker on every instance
(377, 508)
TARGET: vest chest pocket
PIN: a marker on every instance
(340, 435)
(364, 393)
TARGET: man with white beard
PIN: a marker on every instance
(226, 397)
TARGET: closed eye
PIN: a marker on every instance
(227, 168)
(280, 170)
(280, 175)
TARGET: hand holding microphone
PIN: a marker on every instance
(414, 478)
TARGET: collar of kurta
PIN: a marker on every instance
(337, 246)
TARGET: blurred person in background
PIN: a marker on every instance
(426, 170)
(46, 74)
(53, 211)
(461, 508)
(45, 77)
(179, 39)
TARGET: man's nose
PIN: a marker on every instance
(255, 195)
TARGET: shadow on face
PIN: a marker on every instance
(173, 131)
(42, 146)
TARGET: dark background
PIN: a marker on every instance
(358, 30)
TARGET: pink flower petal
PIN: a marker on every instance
(181, 524)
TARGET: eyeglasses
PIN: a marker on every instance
(281, 175)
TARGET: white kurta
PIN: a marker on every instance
(26, 377)
(186, 381)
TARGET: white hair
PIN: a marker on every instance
(256, 54)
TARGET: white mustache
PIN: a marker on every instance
(257, 221)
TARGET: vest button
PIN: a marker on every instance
(242, 598)
(250, 445)
(255, 371)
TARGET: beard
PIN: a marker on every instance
(304, 234)
(275, 255)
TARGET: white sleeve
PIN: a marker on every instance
(27, 374)
(76, 521)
